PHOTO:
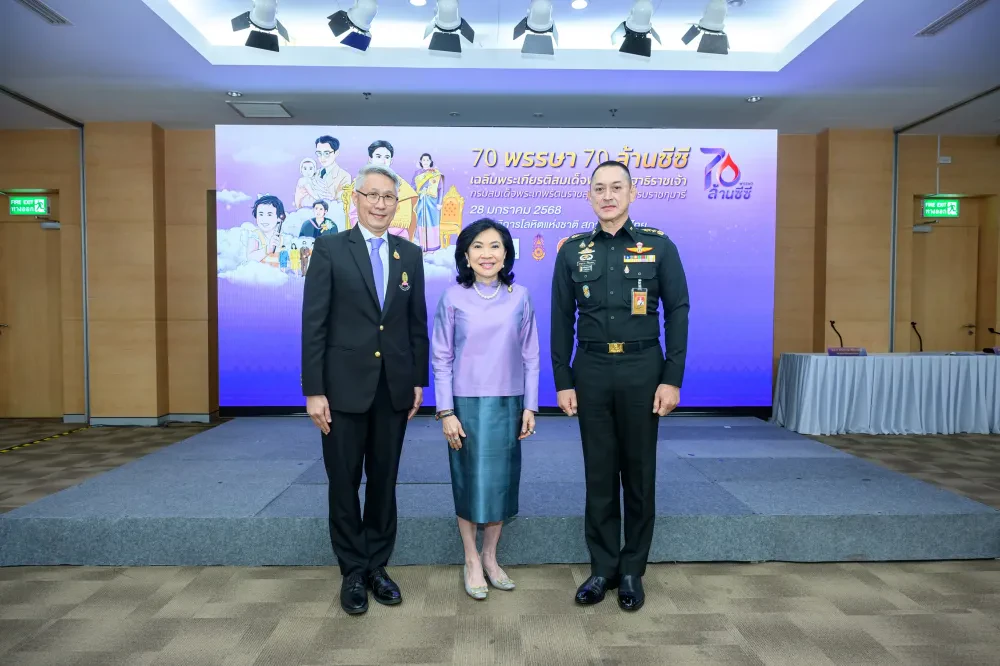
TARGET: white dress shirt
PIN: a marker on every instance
(383, 253)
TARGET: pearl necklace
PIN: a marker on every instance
(475, 285)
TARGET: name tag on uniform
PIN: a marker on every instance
(638, 301)
(640, 258)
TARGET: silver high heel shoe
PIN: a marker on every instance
(502, 583)
(478, 593)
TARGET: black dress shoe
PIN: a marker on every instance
(384, 589)
(630, 594)
(593, 589)
(353, 595)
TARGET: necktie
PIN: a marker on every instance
(377, 269)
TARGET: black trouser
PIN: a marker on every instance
(373, 439)
(615, 406)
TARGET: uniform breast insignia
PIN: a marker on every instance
(640, 258)
(639, 248)
(404, 283)
(395, 254)
(585, 261)
(586, 291)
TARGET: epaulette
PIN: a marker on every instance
(650, 230)
(575, 236)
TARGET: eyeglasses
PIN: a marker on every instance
(373, 197)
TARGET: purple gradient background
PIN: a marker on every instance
(727, 245)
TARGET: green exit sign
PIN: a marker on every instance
(29, 205)
(940, 207)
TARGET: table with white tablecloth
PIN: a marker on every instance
(888, 394)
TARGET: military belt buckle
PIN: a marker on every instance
(616, 347)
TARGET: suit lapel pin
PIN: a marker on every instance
(405, 284)
(395, 254)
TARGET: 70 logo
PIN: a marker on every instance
(725, 162)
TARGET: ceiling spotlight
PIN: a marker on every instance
(446, 26)
(579, 4)
(712, 29)
(233, 93)
(262, 21)
(540, 28)
(355, 24)
(753, 99)
(637, 30)
(418, 3)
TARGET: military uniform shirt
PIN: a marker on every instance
(595, 274)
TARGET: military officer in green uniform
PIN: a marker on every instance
(618, 278)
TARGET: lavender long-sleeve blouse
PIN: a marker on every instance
(483, 347)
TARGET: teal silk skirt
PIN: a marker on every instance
(486, 471)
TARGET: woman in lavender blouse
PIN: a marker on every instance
(484, 351)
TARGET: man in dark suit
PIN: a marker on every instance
(364, 366)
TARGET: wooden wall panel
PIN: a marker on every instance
(50, 160)
(822, 170)
(916, 154)
(126, 257)
(857, 198)
(190, 271)
(794, 269)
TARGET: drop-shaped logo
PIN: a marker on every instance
(729, 165)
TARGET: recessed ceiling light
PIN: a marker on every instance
(753, 99)
(454, 114)
(579, 4)
(418, 3)
(233, 93)
(538, 115)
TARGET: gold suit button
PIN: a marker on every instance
(378, 354)
(381, 328)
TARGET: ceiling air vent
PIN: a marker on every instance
(49, 15)
(260, 109)
(949, 18)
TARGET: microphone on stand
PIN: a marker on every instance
(837, 332)
(992, 350)
(913, 325)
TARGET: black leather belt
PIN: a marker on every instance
(618, 347)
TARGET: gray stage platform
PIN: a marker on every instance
(252, 492)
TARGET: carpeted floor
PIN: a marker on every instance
(945, 613)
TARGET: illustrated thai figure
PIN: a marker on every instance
(429, 183)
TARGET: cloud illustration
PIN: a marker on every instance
(256, 273)
(440, 264)
(232, 196)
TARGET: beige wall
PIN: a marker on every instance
(50, 160)
(152, 249)
(974, 171)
